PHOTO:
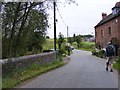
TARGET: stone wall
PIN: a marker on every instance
(25, 61)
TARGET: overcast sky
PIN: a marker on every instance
(80, 19)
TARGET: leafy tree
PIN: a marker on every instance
(78, 40)
(60, 40)
(88, 36)
(20, 19)
(70, 40)
(74, 37)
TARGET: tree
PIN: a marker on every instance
(70, 40)
(78, 40)
(60, 40)
(88, 36)
(74, 37)
(20, 19)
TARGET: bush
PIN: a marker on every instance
(74, 44)
(88, 46)
(63, 50)
(117, 65)
(94, 52)
(100, 53)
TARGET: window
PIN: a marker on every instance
(110, 31)
(102, 33)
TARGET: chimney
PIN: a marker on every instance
(117, 4)
(104, 15)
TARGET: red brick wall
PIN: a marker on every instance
(102, 31)
(119, 30)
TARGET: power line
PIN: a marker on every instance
(61, 17)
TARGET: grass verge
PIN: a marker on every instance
(16, 77)
(117, 65)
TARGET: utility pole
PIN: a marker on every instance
(54, 25)
(68, 43)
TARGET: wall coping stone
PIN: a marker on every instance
(17, 59)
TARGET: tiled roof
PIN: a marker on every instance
(108, 18)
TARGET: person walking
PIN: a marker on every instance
(110, 52)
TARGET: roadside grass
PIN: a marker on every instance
(117, 65)
(19, 75)
(0, 82)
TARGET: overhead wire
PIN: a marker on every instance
(61, 17)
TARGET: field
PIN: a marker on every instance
(85, 45)
(49, 44)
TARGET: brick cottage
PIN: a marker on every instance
(108, 29)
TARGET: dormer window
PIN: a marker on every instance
(114, 11)
(116, 8)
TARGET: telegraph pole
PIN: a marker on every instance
(68, 43)
(54, 25)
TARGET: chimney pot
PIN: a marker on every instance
(104, 15)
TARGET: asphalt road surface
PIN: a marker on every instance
(82, 71)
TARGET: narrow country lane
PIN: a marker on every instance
(82, 71)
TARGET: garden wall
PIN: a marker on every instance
(25, 61)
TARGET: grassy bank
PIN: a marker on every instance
(17, 76)
(117, 65)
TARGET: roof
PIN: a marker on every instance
(108, 18)
(117, 5)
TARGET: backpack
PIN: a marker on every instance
(110, 50)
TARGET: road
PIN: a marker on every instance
(82, 71)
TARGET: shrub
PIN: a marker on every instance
(94, 52)
(63, 50)
(87, 46)
(100, 53)
(117, 65)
